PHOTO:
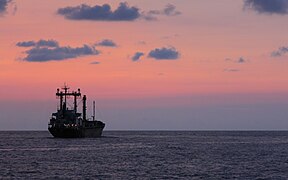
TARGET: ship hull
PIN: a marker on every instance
(91, 132)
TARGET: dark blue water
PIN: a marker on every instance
(145, 155)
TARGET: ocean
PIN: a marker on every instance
(146, 155)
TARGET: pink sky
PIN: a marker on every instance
(210, 37)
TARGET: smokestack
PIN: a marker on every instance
(94, 117)
(75, 102)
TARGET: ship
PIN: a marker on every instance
(68, 122)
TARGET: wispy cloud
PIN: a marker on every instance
(49, 50)
(141, 42)
(240, 60)
(106, 42)
(168, 10)
(95, 62)
(267, 6)
(170, 36)
(231, 70)
(101, 13)
(137, 56)
(280, 52)
(164, 53)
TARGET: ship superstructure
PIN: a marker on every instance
(68, 123)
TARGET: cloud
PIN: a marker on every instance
(123, 12)
(170, 36)
(106, 42)
(228, 59)
(280, 52)
(59, 53)
(137, 56)
(26, 44)
(101, 13)
(40, 43)
(47, 43)
(231, 70)
(169, 10)
(164, 53)
(142, 42)
(3, 5)
(267, 6)
(48, 50)
(95, 62)
(241, 60)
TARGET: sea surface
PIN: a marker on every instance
(146, 155)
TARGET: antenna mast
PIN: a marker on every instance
(94, 115)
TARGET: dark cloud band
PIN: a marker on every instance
(267, 6)
(48, 50)
(164, 53)
(100, 13)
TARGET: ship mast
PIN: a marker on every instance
(65, 88)
(65, 94)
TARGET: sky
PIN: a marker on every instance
(150, 65)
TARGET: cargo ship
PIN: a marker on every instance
(68, 122)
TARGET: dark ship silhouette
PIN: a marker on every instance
(68, 123)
